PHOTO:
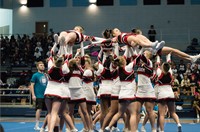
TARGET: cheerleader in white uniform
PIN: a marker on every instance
(127, 89)
(115, 89)
(76, 89)
(55, 92)
(165, 93)
(68, 38)
(105, 86)
(88, 78)
(145, 92)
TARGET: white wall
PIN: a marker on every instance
(174, 23)
(6, 20)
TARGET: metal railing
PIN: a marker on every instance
(15, 97)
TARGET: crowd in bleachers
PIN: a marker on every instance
(24, 50)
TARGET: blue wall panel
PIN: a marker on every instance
(128, 2)
(58, 3)
(81, 3)
(195, 2)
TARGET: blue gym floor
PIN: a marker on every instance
(188, 125)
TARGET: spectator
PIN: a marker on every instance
(194, 42)
(174, 68)
(37, 87)
(185, 85)
(188, 70)
(37, 55)
(152, 34)
(39, 47)
(198, 86)
(196, 104)
(181, 68)
(175, 86)
(193, 84)
(196, 71)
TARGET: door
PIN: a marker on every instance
(41, 27)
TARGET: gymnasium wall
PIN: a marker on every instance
(176, 24)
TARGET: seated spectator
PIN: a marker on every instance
(185, 85)
(198, 86)
(196, 71)
(188, 70)
(23, 90)
(37, 55)
(175, 86)
(196, 104)
(181, 68)
(193, 84)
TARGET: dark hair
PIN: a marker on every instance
(136, 31)
(106, 33)
(166, 67)
(119, 40)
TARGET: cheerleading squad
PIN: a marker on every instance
(122, 92)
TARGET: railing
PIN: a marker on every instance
(15, 97)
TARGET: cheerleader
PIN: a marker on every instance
(164, 93)
(104, 93)
(68, 38)
(55, 93)
(145, 92)
(135, 39)
(166, 50)
(76, 89)
(115, 90)
(127, 90)
(88, 78)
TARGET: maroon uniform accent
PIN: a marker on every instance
(164, 79)
(55, 74)
(126, 76)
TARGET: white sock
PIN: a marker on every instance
(178, 124)
(37, 123)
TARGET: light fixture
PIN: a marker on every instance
(92, 1)
(24, 4)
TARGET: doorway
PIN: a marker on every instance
(41, 28)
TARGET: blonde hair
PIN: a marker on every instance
(81, 28)
(38, 63)
(122, 61)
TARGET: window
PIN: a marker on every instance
(151, 2)
(175, 2)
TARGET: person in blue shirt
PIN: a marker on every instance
(37, 87)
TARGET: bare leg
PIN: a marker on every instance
(149, 108)
(83, 107)
(171, 107)
(113, 110)
(166, 50)
(54, 115)
(161, 115)
(82, 118)
(104, 109)
(121, 110)
(134, 112)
